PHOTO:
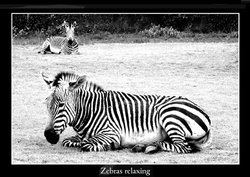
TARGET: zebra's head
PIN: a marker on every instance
(61, 103)
(70, 31)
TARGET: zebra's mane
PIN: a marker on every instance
(71, 77)
(91, 86)
(64, 76)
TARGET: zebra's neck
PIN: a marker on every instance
(91, 86)
(90, 109)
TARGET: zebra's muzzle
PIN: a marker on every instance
(70, 41)
(51, 136)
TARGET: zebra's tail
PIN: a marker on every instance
(200, 143)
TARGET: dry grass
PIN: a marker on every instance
(207, 73)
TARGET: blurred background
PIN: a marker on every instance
(120, 26)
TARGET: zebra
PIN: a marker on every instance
(59, 44)
(108, 120)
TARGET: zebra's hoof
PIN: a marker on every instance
(138, 148)
(152, 149)
(41, 52)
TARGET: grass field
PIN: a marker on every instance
(206, 73)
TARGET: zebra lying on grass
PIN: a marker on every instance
(107, 120)
(59, 44)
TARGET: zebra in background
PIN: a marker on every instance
(107, 120)
(59, 44)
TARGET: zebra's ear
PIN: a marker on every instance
(73, 25)
(48, 80)
(80, 81)
(65, 24)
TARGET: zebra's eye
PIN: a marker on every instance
(72, 84)
(61, 104)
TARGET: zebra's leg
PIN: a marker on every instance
(146, 148)
(45, 47)
(139, 148)
(76, 52)
(55, 50)
(155, 147)
(176, 140)
(152, 148)
(100, 142)
(74, 141)
(179, 147)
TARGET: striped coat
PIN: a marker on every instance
(105, 120)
